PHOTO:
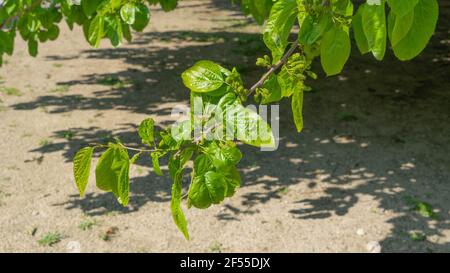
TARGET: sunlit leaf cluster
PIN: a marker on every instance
(202, 150)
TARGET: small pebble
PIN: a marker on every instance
(360, 232)
(374, 247)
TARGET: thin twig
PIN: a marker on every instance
(137, 149)
(274, 68)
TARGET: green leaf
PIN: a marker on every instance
(90, 6)
(272, 85)
(207, 189)
(334, 50)
(202, 164)
(175, 205)
(7, 42)
(127, 12)
(142, 17)
(96, 30)
(8, 9)
(248, 123)
(146, 131)
(278, 27)
(168, 5)
(181, 130)
(198, 195)
(312, 28)
(245, 124)
(110, 172)
(287, 82)
(53, 32)
(260, 9)
(155, 161)
(167, 142)
(124, 184)
(81, 168)
(343, 7)
(398, 27)
(231, 153)
(242, 123)
(104, 177)
(178, 160)
(126, 32)
(233, 179)
(423, 26)
(374, 27)
(360, 37)
(216, 185)
(402, 7)
(203, 77)
(32, 47)
(297, 109)
(224, 156)
(113, 27)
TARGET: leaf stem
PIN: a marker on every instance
(274, 68)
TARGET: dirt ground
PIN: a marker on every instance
(372, 165)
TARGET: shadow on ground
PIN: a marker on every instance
(379, 130)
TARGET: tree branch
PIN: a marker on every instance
(274, 68)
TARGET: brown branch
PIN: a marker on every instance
(274, 68)
(30, 8)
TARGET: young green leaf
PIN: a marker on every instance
(53, 32)
(198, 195)
(297, 109)
(113, 27)
(398, 27)
(374, 27)
(250, 127)
(7, 42)
(181, 130)
(127, 13)
(175, 205)
(32, 47)
(203, 77)
(312, 28)
(110, 173)
(272, 85)
(168, 5)
(81, 168)
(146, 131)
(90, 6)
(96, 31)
(202, 164)
(278, 27)
(233, 179)
(155, 161)
(334, 50)
(124, 184)
(402, 7)
(104, 176)
(358, 32)
(423, 26)
(216, 185)
(141, 17)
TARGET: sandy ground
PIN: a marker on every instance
(376, 137)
